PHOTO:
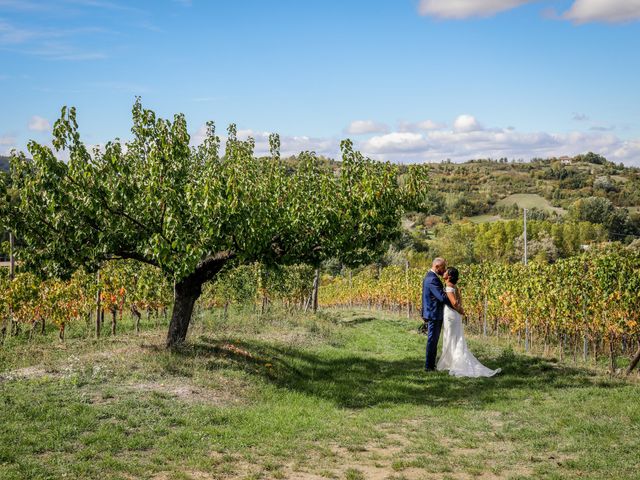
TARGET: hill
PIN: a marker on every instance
(481, 187)
(499, 188)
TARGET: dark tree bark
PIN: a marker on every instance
(114, 314)
(634, 361)
(138, 316)
(187, 292)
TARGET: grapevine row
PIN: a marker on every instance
(27, 300)
(586, 305)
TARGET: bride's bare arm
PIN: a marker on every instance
(455, 302)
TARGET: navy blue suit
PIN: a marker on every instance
(433, 301)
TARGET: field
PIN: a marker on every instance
(338, 395)
(484, 218)
(529, 200)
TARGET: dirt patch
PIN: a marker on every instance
(184, 391)
(26, 373)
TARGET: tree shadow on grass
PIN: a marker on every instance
(358, 381)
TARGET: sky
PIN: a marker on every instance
(407, 80)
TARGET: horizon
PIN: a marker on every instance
(409, 82)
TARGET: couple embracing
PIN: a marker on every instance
(442, 310)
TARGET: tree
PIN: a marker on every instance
(541, 249)
(592, 209)
(191, 211)
(601, 211)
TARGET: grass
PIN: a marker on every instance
(484, 218)
(338, 395)
(530, 200)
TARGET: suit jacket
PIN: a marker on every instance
(433, 297)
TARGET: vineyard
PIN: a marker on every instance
(586, 306)
(28, 302)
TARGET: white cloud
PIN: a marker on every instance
(443, 143)
(39, 124)
(418, 126)
(580, 117)
(51, 43)
(7, 143)
(10, 34)
(289, 144)
(465, 141)
(397, 142)
(466, 123)
(7, 140)
(362, 127)
(610, 11)
(459, 9)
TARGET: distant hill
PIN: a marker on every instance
(489, 187)
(4, 163)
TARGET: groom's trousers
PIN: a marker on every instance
(433, 336)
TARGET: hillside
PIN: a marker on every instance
(489, 187)
(4, 163)
(481, 186)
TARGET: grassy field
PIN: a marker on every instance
(338, 395)
(530, 200)
(484, 218)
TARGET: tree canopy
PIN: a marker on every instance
(190, 210)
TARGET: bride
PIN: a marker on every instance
(456, 356)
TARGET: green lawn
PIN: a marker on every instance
(339, 395)
(530, 200)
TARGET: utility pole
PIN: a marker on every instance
(98, 306)
(314, 293)
(12, 262)
(525, 236)
(526, 320)
(7, 324)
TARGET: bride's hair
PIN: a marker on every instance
(453, 274)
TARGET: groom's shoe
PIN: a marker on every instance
(429, 370)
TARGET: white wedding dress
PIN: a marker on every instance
(456, 356)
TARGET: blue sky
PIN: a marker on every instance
(408, 80)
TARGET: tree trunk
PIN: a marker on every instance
(634, 362)
(114, 314)
(187, 292)
(186, 296)
(138, 316)
(612, 356)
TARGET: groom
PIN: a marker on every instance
(433, 301)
